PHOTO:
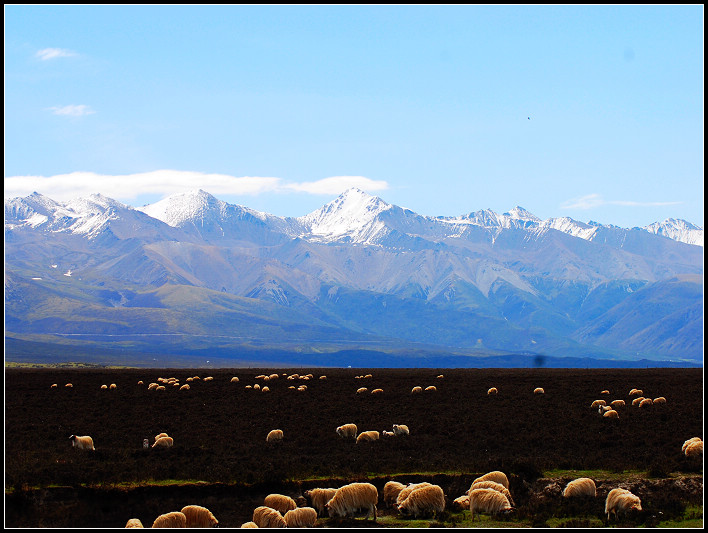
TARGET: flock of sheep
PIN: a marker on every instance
(488, 494)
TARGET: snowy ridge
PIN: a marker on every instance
(678, 230)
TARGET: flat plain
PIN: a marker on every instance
(220, 457)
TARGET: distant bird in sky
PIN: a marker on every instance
(529, 118)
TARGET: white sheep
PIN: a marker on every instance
(234, 379)
(391, 491)
(351, 498)
(301, 517)
(492, 391)
(617, 403)
(54, 386)
(280, 502)
(385, 433)
(249, 525)
(431, 388)
(265, 516)
(539, 390)
(361, 390)
(689, 441)
(461, 503)
(621, 501)
(424, 501)
(489, 484)
(173, 519)
(319, 498)
(611, 414)
(82, 443)
(274, 436)
(134, 522)
(658, 400)
(416, 390)
(198, 516)
(645, 402)
(377, 391)
(598, 403)
(496, 475)
(400, 429)
(488, 501)
(112, 386)
(159, 436)
(347, 431)
(367, 436)
(694, 449)
(583, 486)
(406, 491)
(164, 442)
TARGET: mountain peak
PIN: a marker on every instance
(522, 214)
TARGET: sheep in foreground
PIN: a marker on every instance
(424, 501)
(134, 522)
(351, 498)
(275, 435)
(694, 449)
(264, 516)
(367, 436)
(391, 491)
(690, 441)
(406, 491)
(400, 429)
(319, 497)
(347, 431)
(492, 485)
(173, 519)
(488, 501)
(301, 517)
(611, 414)
(198, 516)
(621, 501)
(583, 486)
(280, 503)
(82, 443)
(164, 442)
(496, 475)
(491, 391)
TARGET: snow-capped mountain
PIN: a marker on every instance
(357, 268)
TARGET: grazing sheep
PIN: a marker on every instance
(54, 386)
(302, 388)
(198, 516)
(583, 486)
(319, 498)
(160, 387)
(280, 503)
(257, 387)
(461, 503)
(492, 485)
(611, 414)
(173, 519)
(209, 378)
(385, 433)
(82, 443)
(275, 435)
(367, 436)
(163, 434)
(113, 386)
(605, 392)
(694, 449)
(367, 376)
(598, 403)
(645, 402)
(273, 376)
(134, 522)
(637, 401)
(153, 386)
(400, 429)
(440, 376)
(621, 501)
(617, 403)
(391, 491)
(539, 390)
(103, 387)
(264, 516)
(353, 497)
(249, 525)
(140, 382)
(361, 390)
(301, 517)
(488, 501)
(690, 441)
(638, 392)
(377, 391)
(424, 501)
(347, 431)
(406, 491)
(184, 387)
(431, 388)
(323, 377)
(416, 390)
(496, 475)
(69, 385)
(164, 442)
(660, 399)
(234, 379)
(265, 389)
(491, 391)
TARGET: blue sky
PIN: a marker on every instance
(591, 112)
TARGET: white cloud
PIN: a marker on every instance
(128, 187)
(72, 110)
(592, 201)
(52, 53)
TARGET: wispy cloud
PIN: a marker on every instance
(53, 53)
(593, 201)
(72, 110)
(128, 187)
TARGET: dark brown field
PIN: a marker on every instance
(219, 430)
